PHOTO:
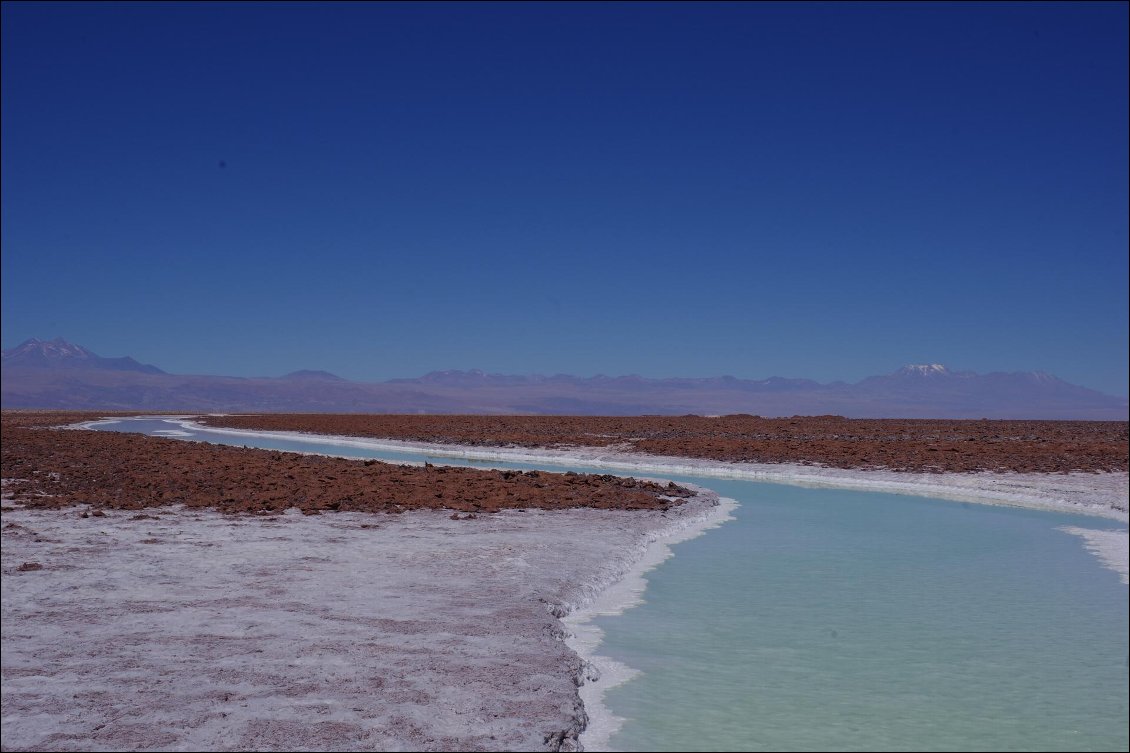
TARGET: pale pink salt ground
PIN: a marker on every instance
(345, 631)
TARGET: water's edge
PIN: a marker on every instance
(583, 636)
(608, 593)
(1105, 495)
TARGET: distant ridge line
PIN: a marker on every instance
(58, 374)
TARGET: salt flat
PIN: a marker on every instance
(351, 631)
(196, 630)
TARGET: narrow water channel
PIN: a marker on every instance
(824, 619)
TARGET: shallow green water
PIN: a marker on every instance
(841, 620)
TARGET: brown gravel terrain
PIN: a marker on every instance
(891, 444)
(45, 467)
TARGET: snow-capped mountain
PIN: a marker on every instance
(923, 370)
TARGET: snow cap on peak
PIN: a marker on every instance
(924, 369)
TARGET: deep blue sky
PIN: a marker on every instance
(827, 191)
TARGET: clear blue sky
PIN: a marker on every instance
(827, 191)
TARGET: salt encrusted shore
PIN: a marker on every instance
(190, 629)
(358, 631)
(1111, 547)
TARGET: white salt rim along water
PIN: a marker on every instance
(585, 637)
(1112, 547)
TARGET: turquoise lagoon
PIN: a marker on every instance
(822, 619)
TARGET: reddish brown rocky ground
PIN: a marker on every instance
(895, 444)
(46, 467)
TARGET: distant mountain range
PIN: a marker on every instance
(60, 375)
(60, 354)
